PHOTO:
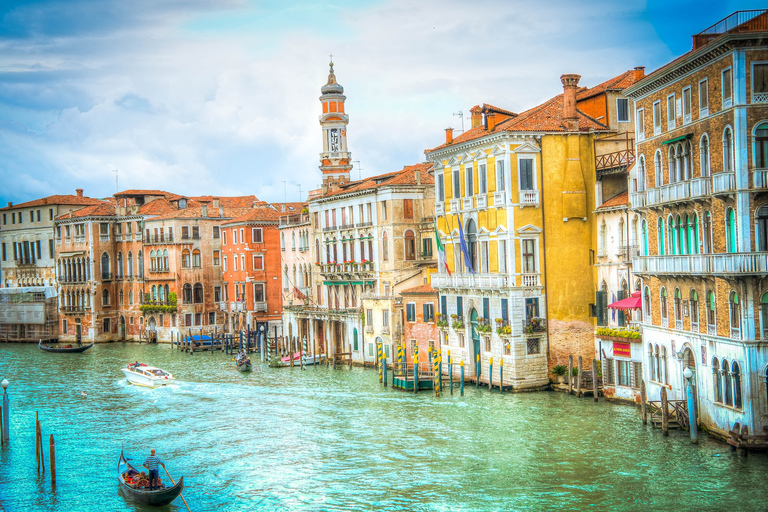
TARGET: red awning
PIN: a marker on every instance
(633, 302)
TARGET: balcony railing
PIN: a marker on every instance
(24, 262)
(79, 239)
(735, 333)
(158, 270)
(530, 279)
(260, 307)
(624, 158)
(330, 228)
(723, 182)
(72, 280)
(483, 281)
(712, 330)
(760, 179)
(701, 187)
(481, 201)
(158, 239)
(190, 237)
(637, 199)
(73, 310)
(106, 276)
(529, 198)
(668, 193)
(748, 263)
(627, 252)
(679, 324)
(365, 224)
(499, 198)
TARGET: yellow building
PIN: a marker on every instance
(521, 189)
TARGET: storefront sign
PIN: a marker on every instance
(621, 349)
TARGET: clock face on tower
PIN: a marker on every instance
(333, 141)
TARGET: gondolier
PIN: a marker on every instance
(151, 464)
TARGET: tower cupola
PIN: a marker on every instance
(335, 160)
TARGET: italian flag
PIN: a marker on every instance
(441, 250)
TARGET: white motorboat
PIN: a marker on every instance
(300, 357)
(148, 376)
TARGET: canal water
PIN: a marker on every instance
(322, 439)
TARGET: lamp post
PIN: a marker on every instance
(688, 374)
(6, 432)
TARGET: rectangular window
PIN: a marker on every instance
(333, 216)
(426, 247)
(484, 256)
(217, 293)
(39, 251)
(369, 317)
(217, 257)
(526, 174)
(51, 252)
(408, 208)
(704, 98)
(198, 319)
(383, 210)
(429, 312)
(502, 256)
(212, 318)
(327, 218)
(608, 371)
(13, 217)
(640, 122)
(482, 178)
(623, 373)
(5, 256)
(343, 217)
(657, 118)
(486, 308)
(460, 306)
(440, 188)
(531, 308)
(242, 236)
(410, 312)
(444, 306)
(370, 212)
(50, 214)
(687, 105)
(185, 232)
(727, 88)
(258, 262)
(5, 219)
(216, 232)
(257, 236)
(258, 292)
(532, 346)
(456, 184)
(760, 78)
(103, 229)
(529, 256)
(500, 182)
(622, 110)
(671, 119)
(385, 319)
(223, 238)
(469, 186)
(31, 216)
(38, 215)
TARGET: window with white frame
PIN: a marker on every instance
(726, 82)
(410, 312)
(500, 182)
(234, 263)
(657, 118)
(622, 110)
(242, 235)
(760, 82)
(704, 98)
(258, 292)
(456, 184)
(529, 256)
(502, 256)
(671, 120)
(527, 178)
(687, 105)
(258, 262)
(234, 237)
(469, 185)
(440, 190)
(482, 179)
(224, 263)
(640, 124)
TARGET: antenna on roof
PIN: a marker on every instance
(117, 189)
(359, 169)
(461, 115)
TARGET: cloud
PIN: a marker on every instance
(205, 96)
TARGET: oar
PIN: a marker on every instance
(174, 483)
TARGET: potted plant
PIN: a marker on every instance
(559, 372)
(458, 322)
(440, 321)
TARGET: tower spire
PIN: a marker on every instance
(335, 159)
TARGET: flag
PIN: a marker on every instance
(441, 250)
(465, 250)
(297, 293)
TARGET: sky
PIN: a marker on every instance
(220, 97)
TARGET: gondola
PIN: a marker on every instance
(68, 348)
(143, 495)
(245, 365)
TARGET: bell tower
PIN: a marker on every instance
(335, 160)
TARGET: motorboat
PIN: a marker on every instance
(148, 376)
(299, 359)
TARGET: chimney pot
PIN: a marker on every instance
(491, 120)
(639, 72)
(448, 135)
(570, 86)
(477, 116)
(10, 203)
(79, 192)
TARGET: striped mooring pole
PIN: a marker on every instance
(379, 347)
(477, 372)
(450, 370)
(461, 385)
(416, 370)
(440, 370)
(501, 374)
(434, 383)
(490, 374)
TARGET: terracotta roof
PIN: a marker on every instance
(103, 209)
(422, 289)
(196, 212)
(617, 200)
(232, 202)
(617, 83)
(264, 214)
(490, 108)
(55, 200)
(291, 208)
(140, 192)
(406, 176)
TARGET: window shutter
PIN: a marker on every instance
(620, 295)
(426, 313)
(601, 301)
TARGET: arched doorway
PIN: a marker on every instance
(475, 336)
(152, 332)
(122, 327)
(355, 346)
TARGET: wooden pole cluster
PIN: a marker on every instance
(570, 374)
(578, 379)
(53, 461)
(39, 454)
(643, 400)
(594, 378)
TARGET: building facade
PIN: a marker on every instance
(701, 169)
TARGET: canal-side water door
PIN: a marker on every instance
(122, 327)
(475, 335)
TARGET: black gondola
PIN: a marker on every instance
(144, 496)
(69, 348)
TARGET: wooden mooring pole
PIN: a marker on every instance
(570, 374)
(594, 378)
(578, 379)
(664, 412)
(643, 405)
(53, 461)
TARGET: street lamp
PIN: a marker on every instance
(688, 374)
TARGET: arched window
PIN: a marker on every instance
(165, 292)
(680, 228)
(762, 228)
(687, 167)
(185, 263)
(678, 305)
(647, 294)
(761, 146)
(672, 238)
(152, 261)
(733, 301)
(197, 294)
(119, 265)
(130, 264)
(154, 293)
(694, 306)
(728, 150)
(105, 271)
(717, 383)
(293, 241)
(658, 364)
(622, 240)
(694, 230)
(384, 247)
(317, 251)
(664, 367)
(706, 229)
(282, 242)
(641, 173)
(410, 246)
(105, 298)
(165, 260)
(728, 390)
(663, 302)
(730, 230)
(160, 294)
(285, 277)
(660, 236)
(472, 243)
(645, 237)
(672, 164)
(764, 315)
(196, 258)
(140, 259)
(603, 248)
(736, 380)
(658, 168)
(704, 155)
(187, 293)
(651, 362)
(121, 299)
(130, 297)
(711, 319)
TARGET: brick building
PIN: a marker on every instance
(419, 328)
(295, 233)
(702, 155)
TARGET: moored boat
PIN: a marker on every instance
(66, 348)
(148, 376)
(299, 359)
(137, 488)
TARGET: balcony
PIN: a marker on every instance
(530, 279)
(759, 97)
(364, 224)
(618, 160)
(260, 307)
(455, 206)
(481, 201)
(103, 238)
(760, 178)
(471, 281)
(723, 183)
(735, 333)
(190, 237)
(337, 269)
(79, 239)
(73, 310)
(466, 203)
(159, 270)
(292, 220)
(329, 228)
(627, 252)
(748, 263)
(701, 187)
(499, 198)
(25, 262)
(529, 198)
(637, 199)
(439, 208)
(106, 276)
(72, 280)
(159, 239)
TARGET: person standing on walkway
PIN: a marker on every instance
(151, 464)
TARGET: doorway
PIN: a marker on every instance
(475, 337)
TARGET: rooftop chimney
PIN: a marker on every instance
(417, 176)
(10, 203)
(639, 72)
(448, 135)
(491, 120)
(477, 116)
(79, 192)
(570, 86)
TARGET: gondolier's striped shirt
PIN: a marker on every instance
(152, 462)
